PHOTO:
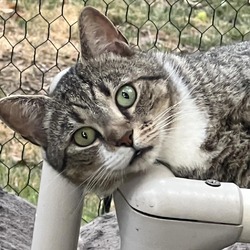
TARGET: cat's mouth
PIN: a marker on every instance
(139, 153)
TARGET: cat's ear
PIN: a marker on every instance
(99, 35)
(25, 114)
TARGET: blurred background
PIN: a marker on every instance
(38, 39)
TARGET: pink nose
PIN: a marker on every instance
(126, 140)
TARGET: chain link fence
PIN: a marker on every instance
(39, 38)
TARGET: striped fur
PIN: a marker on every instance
(191, 114)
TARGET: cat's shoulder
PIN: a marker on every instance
(225, 54)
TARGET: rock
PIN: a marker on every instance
(16, 222)
(100, 234)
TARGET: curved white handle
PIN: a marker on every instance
(245, 235)
(58, 215)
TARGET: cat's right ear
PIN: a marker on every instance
(25, 114)
(99, 35)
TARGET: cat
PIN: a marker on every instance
(119, 111)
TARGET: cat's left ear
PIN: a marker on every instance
(99, 35)
(25, 114)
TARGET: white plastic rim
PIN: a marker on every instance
(58, 215)
(245, 235)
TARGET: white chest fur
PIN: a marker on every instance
(181, 146)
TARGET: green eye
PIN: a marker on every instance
(84, 136)
(126, 96)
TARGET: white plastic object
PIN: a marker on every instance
(158, 211)
(56, 79)
(58, 214)
(245, 235)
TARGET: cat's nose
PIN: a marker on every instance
(126, 140)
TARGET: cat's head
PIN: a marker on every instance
(104, 118)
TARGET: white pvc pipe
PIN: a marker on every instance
(245, 235)
(58, 214)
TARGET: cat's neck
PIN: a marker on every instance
(182, 141)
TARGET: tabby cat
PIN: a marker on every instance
(119, 111)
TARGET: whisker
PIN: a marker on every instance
(80, 203)
(178, 116)
(174, 115)
(104, 178)
(96, 178)
(52, 181)
(107, 179)
(176, 104)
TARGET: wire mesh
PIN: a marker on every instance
(39, 38)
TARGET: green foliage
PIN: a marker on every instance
(21, 180)
(90, 208)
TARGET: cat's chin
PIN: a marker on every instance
(113, 185)
(138, 154)
(138, 165)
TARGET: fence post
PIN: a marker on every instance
(58, 214)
